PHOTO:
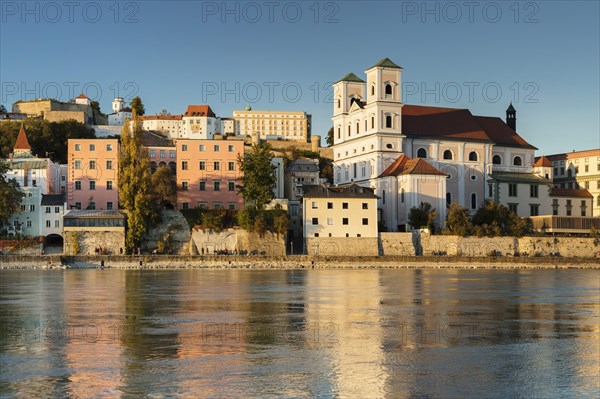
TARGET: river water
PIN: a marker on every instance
(410, 333)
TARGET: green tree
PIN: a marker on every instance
(10, 194)
(135, 183)
(458, 222)
(329, 139)
(164, 187)
(423, 216)
(258, 180)
(138, 106)
(494, 219)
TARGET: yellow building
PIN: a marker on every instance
(273, 125)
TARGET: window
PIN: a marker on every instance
(184, 147)
(185, 205)
(587, 168)
(421, 153)
(231, 165)
(373, 124)
(217, 186)
(217, 205)
(92, 165)
(345, 221)
(230, 148)
(583, 209)
(569, 208)
(202, 165)
(216, 165)
(330, 205)
(231, 206)
(316, 235)
(587, 185)
(92, 205)
(202, 185)
(29, 223)
(48, 209)
(77, 164)
(490, 190)
(171, 153)
(517, 161)
(533, 191)
(562, 170)
(512, 190)
(388, 89)
(231, 186)
(473, 201)
(473, 156)
(109, 185)
(447, 154)
(184, 165)
(330, 221)
(513, 207)
(109, 147)
(388, 121)
(92, 184)
(534, 209)
(92, 147)
(108, 165)
(496, 160)
(109, 205)
(315, 221)
(184, 186)
(315, 205)
(163, 154)
(78, 205)
(202, 148)
(344, 205)
(77, 147)
(365, 205)
(365, 221)
(57, 209)
(57, 223)
(555, 207)
(383, 197)
(216, 148)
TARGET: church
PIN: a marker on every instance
(411, 153)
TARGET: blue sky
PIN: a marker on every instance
(543, 56)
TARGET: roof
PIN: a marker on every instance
(199, 110)
(126, 109)
(351, 191)
(303, 165)
(404, 165)
(351, 78)
(575, 154)
(32, 163)
(160, 117)
(386, 63)
(22, 143)
(420, 121)
(511, 108)
(94, 214)
(516, 177)
(82, 96)
(542, 162)
(570, 192)
(53, 199)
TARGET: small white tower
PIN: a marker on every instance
(118, 104)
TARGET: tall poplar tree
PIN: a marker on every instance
(135, 183)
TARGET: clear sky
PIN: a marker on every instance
(543, 56)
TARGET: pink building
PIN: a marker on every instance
(207, 173)
(93, 174)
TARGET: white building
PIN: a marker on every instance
(200, 122)
(52, 208)
(120, 113)
(170, 125)
(300, 173)
(82, 99)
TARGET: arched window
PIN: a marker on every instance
(473, 201)
(357, 128)
(473, 156)
(372, 122)
(496, 160)
(348, 130)
(447, 154)
(339, 103)
(339, 132)
(388, 121)
(402, 196)
(517, 161)
(383, 196)
(373, 90)
(388, 89)
(448, 199)
(421, 153)
(173, 167)
(366, 127)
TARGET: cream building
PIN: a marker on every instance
(339, 211)
(273, 125)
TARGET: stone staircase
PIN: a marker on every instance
(180, 231)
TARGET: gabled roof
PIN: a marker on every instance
(22, 143)
(351, 78)
(404, 165)
(82, 96)
(570, 192)
(386, 63)
(53, 199)
(199, 110)
(542, 162)
(160, 117)
(351, 191)
(458, 124)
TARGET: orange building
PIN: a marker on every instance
(207, 173)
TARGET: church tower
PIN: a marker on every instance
(22, 149)
(511, 117)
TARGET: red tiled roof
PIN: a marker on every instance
(22, 143)
(570, 192)
(575, 154)
(542, 162)
(457, 124)
(82, 96)
(160, 117)
(406, 166)
(199, 110)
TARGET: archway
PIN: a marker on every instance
(53, 244)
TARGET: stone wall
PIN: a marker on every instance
(566, 246)
(397, 244)
(269, 244)
(59, 116)
(110, 241)
(342, 246)
(467, 246)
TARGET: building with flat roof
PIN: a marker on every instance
(273, 125)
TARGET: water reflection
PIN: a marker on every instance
(421, 333)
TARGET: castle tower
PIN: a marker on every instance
(511, 117)
(82, 99)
